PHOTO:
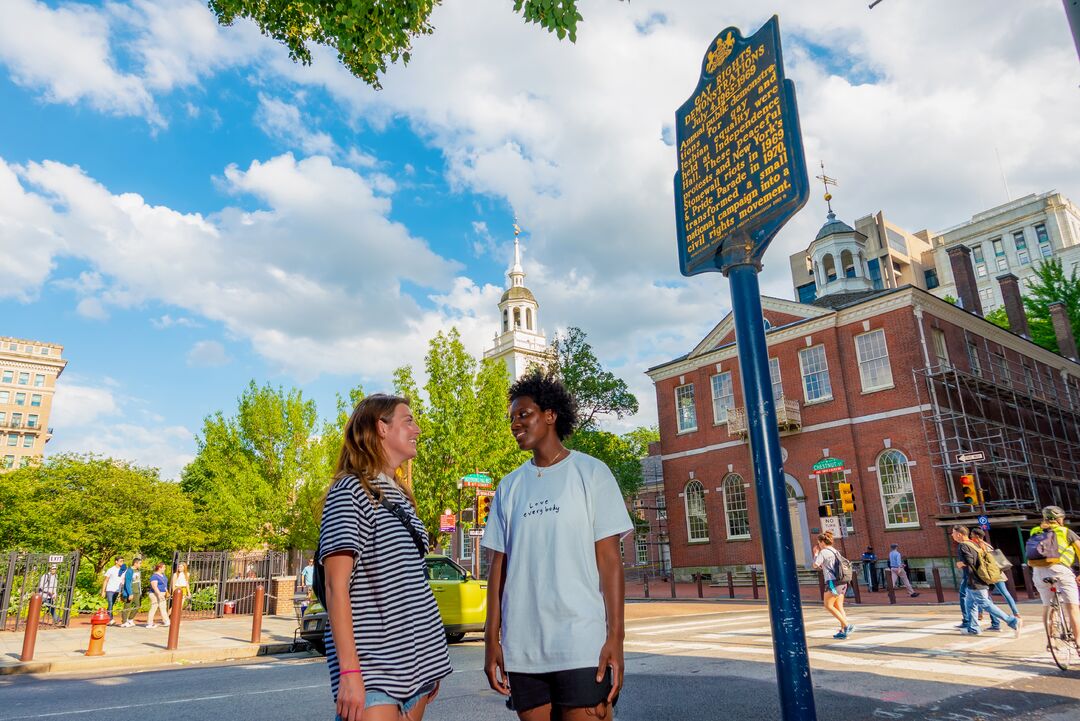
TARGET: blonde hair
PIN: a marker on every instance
(826, 538)
(362, 454)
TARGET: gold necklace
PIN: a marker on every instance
(540, 470)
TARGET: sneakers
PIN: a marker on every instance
(848, 630)
(166, 624)
(1019, 625)
(149, 625)
(841, 635)
(973, 632)
(962, 624)
(995, 628)
(914, 594)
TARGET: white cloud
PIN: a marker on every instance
(284, 122)
(76, 404)
(167, 321)
(208, 354)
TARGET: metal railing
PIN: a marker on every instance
(788, 417)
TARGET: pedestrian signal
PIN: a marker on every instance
(483, 508)
(825, 510)
(847, 497)
(967, 489)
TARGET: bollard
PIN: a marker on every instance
(821, 583)
(256, 619)
(890, 589)
(174, 619)
(753, 581)
(30, 635)
(937, 586)
(700, 593)
(672, 577)
(645, 580)
(730, 585)
(98, 622)
(1029, 582)
(855, 588)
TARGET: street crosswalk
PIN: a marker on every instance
(910, 643)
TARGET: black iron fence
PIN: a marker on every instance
(224, 582)
(23, 573)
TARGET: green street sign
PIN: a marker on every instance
(476, 480)
(827, 465)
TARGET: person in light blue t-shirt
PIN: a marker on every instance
(554, 635)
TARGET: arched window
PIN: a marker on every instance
(848, 264)
(897, 494)
(506, 320)
(697, 522)
(735, 507)
(517, 317)
(528, 318)
(830, 268)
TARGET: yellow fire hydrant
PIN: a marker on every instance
(98, 622)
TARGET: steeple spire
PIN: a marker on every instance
(517, 273)
(827, 181)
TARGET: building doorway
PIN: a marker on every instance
(800, 529)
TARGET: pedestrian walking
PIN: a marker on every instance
(113, 585)
(307, 575)
(159, 587)
(979, 574)
(869, 558)
(898, 571)
(181, 582)
(978, 537)
(47, 587)
(1056, 569)
(554, 635)
(828, 559)
(132, 592)
(385, 645)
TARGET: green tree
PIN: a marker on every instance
(1051, 284)
(98, 506)
(617, 452)
(597, 391)
(368, 35)
(998, 317)
(640, 438)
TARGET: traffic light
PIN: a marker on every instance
(847, 497)
(483, 508)
(825, 510)
(967, 486)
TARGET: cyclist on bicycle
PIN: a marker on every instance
(1059, 573)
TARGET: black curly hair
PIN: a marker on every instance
(548, 392)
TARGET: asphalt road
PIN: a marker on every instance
(908, 665)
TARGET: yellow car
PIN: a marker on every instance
(462, 602)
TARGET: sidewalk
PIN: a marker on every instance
(63, 650)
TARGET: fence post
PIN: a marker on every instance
(71, 587)
(889, 588)
(753, 581)
(645, 580)
(937, 586)
(1029, 582)
(672, 577)
(256, 619)
(30, 634)
(700, 594)
(5, 597)
(175, 614)
(730, 585)
(855, 587)
(226, 563)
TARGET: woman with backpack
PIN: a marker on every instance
(829, 560)
(385, 645)
(978, 537)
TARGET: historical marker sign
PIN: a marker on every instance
(447, 522)
(742, 172)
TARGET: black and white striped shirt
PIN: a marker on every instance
(399, 636)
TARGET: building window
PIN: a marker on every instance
(873, 269)
(44, 351)
(661, 508)
(20, 399)
(35, 400)
(24, 379)
(735, 507)
(930, 276)
(999, 368)
(5, 396)
(941, 350)
(826, 483)
(28, 441)
(989, 301)
(1029, 377)
(980, 260)
(31, 420)
(873, 357)
(973, 359)
(1020, 242)
(999, 254)
(3, 418)
(642, 546)
(466, 545)
(12, 439)
(528, 318)
(517, 318)
(506, 321)
(897, 494)
(9, 376)
(1044, 241)
(697, 522)
(815, 374)
(723, 397)
(685, 412)
(807, 293)
(39, 380)
(9, 461)
(16, 420)
(777, 382)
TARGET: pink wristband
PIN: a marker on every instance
(348, 670)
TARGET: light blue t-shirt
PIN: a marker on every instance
(894, 559)
(553, 616)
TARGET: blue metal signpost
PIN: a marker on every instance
(742, 175)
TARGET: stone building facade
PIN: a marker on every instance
(28, 373)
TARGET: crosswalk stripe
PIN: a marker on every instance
(657, 629)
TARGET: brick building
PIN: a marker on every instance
(881, 389)
(648, 548)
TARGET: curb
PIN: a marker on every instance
(158, 658)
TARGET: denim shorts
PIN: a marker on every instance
(375, 697)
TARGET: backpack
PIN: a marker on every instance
(1042, 548)
(988, 571)
(843, 570)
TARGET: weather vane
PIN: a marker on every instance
(826, 181)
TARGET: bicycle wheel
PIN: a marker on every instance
(1059, 639)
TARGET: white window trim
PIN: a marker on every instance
(888, 362)
(678, 415)
(712, 390)
(881, 492)
(727, 519)
(686, 508)
(802, 375)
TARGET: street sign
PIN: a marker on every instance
(984, 523)
(56, 559)
(476, 532)
(827, 465)
(742, 172)
(476, 480)
(971, 457)
(833, 525)
(447, 522)
(480, 493)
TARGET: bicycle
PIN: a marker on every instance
(1059, 638)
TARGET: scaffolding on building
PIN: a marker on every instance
(1020, 416)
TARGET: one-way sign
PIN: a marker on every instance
(971, 457)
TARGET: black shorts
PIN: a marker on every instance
(575, 688)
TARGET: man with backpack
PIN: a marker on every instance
(1051, 551)
(980, 572)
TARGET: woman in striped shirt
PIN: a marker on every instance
(385, 645)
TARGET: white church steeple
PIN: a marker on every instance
(520, 342)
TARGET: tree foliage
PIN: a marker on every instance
(597, 391)
(370, 35)
(1051, 284)
(96, 505)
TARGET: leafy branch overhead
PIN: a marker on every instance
(370, 35)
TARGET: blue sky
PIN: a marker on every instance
(188, 209)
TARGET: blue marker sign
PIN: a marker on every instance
(742, 172)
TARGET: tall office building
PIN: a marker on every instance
(28, 373)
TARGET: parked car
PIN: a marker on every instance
(462, 602)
